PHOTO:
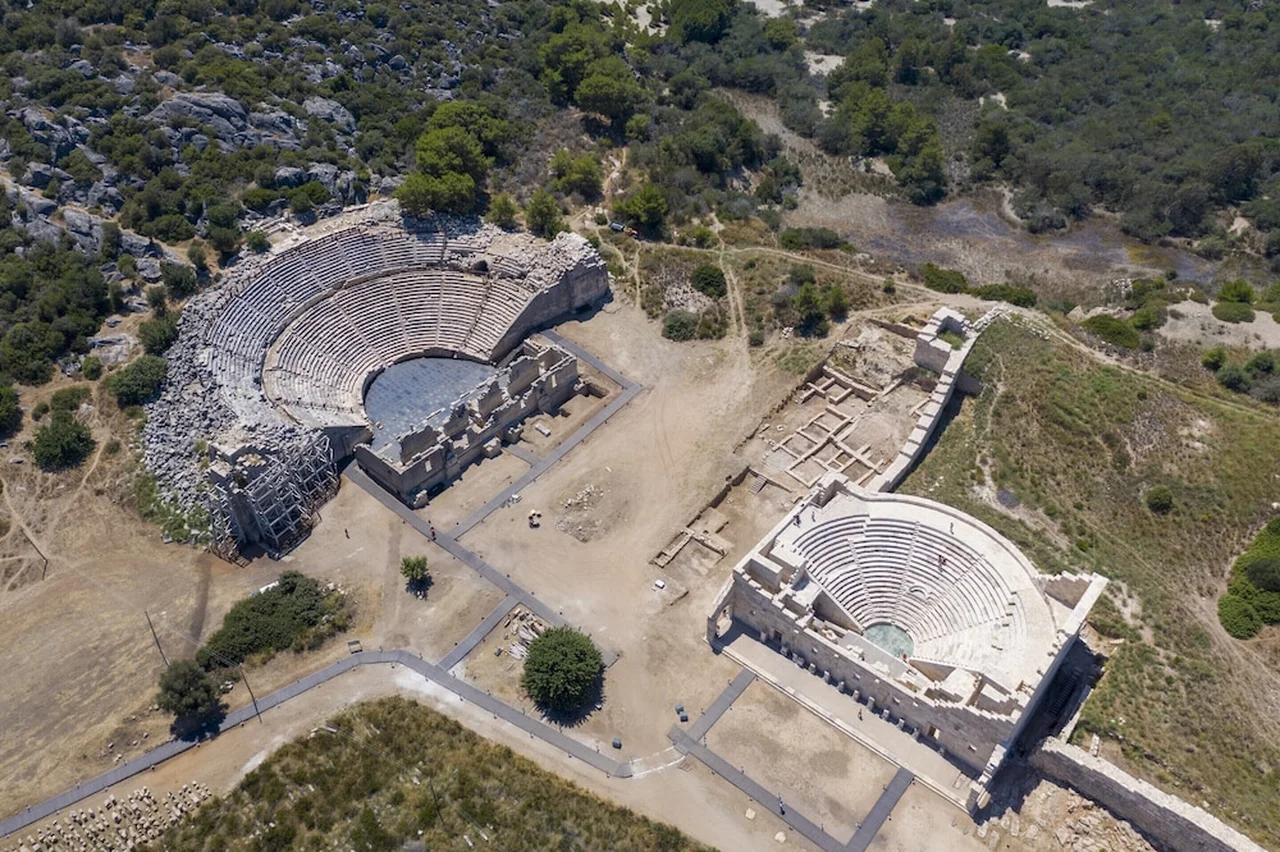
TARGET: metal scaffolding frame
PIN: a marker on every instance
(277, 505)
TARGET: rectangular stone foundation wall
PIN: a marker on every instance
(1166, 818)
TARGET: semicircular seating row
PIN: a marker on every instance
(952, 601)
(403, 303)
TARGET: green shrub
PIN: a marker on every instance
(708, 279)
(1238, 617)
(257, 241)
(1215, 358)
(1023, 297)
(795, 239)
(945, 280)
(157, 298)
(288, 615)
(1233, 312)
(1262, 364)
(139, 382)
(1237, 291)
(561, 669)
(1160, 500)
(802, 274)
(1149, 317)
(503, 211)
(158, 334)
(69, 399)
(1234, 378)
(756, 338)
(835, 301)
(415, 572)
(542, 214)
(91, 368)
(646, 208)
(680, 325)
(180, 280)
(61, 443)
(188, 692)
(38, 413)
(10, 411)
(1264, 572)
(1115, 331)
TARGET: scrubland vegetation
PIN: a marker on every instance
(392, 771)
(1078, 448)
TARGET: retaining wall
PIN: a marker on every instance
(1166, 818)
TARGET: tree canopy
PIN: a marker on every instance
(63, 442)
(561, 669)
(189, 693)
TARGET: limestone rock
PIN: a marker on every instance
(330, 111)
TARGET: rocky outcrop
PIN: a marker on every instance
(221, 112)
(330, 111)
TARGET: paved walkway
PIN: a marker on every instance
(437, 673)
(723, 701)
(880, 811)
(539, 466)
(475, 637)
(763, 798)
(358, 477)
(432, 672)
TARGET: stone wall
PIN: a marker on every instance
(968, 735)
(543, 378)
(934, 354)
(1168, 819)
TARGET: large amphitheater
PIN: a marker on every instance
(270, 377)
(929, 616)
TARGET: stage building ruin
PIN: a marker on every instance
(415, 463)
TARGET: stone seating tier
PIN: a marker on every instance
(948, 596)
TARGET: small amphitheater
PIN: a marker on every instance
(269, 380)
(927, 615)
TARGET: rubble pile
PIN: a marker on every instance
(140, 818)
(521, 628)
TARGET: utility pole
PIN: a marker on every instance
(256, 709)
(156, 638)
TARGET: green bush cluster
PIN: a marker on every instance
(65, 441)
(708, 279)
(953, 281)
(580, 174)
(158, 333)
(944, 280)
(10, 411)
(296, 613)
(1252, 598)
(346, 787)
(139, 382)
(681, 325)
(1257, 376)
(1113, 330)
(51, 299)
(1234, 312)
(1160, 500)
(799, 239)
